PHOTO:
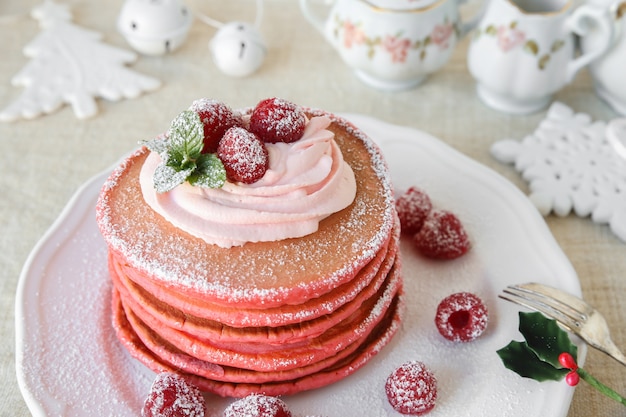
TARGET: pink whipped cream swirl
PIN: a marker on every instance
(307, 181)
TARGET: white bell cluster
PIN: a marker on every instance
(157, 27)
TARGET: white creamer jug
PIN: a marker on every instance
(524, 51)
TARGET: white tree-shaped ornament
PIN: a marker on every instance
(70, 65)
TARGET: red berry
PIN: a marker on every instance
(172, 396)
(461, 317)
(567, 360)
(413, 207)
(217, 118)
(442, 236)
(572, 378)
(412, 389)
(257, 405)
(244, 156)
(277, 120)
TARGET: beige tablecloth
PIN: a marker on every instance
(44, 161)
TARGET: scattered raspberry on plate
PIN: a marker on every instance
(277, 120)
(244, 155)
(461, 317)
(257, 405)
(172, 396)
(412, 389)
(442, 236)
(217, 118)
(413, 207)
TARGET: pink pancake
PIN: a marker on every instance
(376, 340)
(256, 357)
(353, 292)
(137, 298)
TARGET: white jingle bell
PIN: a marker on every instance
(238, 49)
(154, 27)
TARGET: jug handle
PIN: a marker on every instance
(471, 23)
(313, 19)
(580, 22)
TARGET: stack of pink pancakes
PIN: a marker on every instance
(268, 317)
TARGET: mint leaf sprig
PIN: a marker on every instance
(547, 354)
(182, 157)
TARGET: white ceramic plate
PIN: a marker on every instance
(69, 362)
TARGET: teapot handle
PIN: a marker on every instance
(313, 19)
(581, 22)
(471, 23)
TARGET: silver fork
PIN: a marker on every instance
(571, 312)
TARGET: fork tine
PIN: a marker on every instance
(547, 297)
(537, 305)
(555, 293)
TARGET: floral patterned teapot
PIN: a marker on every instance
(393, 44)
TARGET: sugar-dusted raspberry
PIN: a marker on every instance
(442, 236)
(277, 120)
(244, 155)
(257, 405)
(217, 118)
(413, 207)
(461, 317)
(412, 389)
(172, 396)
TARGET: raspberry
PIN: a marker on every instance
(217, 118)
(244, 156)
(413, 207)
(461, 317)
(277, 120)
(412, 389)
(442, 236)
(257, 405)
(172, 396)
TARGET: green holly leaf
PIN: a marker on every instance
(519, 358)
(210, 172)
(546, 338)
(186, 140)
(537, 357)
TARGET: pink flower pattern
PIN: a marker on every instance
(352, 34)
(397, 47)
(441, 35)
(509, 37)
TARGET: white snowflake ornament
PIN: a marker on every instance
(71, 66)
(571, 165)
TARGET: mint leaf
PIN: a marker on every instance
(210, 172)
(186, 140)
(165, 177)
(157, 145)
(545, 337)
(522, 360)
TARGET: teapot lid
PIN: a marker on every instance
(400, 4)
